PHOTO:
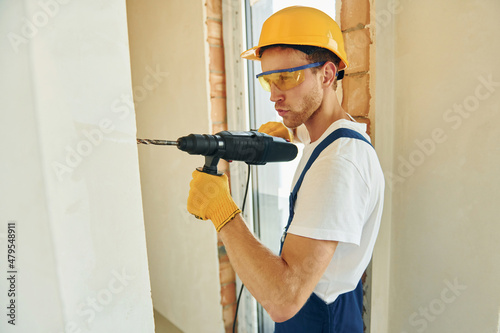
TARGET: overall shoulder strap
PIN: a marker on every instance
(339, 133)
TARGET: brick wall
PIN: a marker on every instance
(217, 78)
(355, 25)
(357, 100)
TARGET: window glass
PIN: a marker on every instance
(272, 182)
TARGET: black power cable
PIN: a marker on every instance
(246, 190)
(237, 305)
(242, 285)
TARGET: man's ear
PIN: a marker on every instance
(329, 73)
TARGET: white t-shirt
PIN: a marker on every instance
(341, 199)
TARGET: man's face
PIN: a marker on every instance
(299, 104)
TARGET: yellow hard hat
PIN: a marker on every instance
(298, 25)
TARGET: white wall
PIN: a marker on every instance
(444, 249)
(171, 36)
(69, 172)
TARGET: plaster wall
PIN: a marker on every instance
(69, 172)
(170, 37)
(443, 180)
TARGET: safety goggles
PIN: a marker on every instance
(285, 79)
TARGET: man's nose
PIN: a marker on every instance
(276, 94)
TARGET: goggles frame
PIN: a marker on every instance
(299, 79)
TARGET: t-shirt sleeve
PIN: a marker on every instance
(331, 202)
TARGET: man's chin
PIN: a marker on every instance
(291, 124)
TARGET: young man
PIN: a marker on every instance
(314, 284)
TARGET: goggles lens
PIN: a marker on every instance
(285, 79)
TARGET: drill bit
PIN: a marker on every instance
(158, 142)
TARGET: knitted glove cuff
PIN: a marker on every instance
(223, 211)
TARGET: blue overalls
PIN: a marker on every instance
(344, 315)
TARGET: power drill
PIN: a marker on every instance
(252, 147)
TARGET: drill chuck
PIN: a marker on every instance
(200, 144)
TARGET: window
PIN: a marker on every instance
(271, 183)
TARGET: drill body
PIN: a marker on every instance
(251, 147)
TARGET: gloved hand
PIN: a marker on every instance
(209, 199)
(275, 128)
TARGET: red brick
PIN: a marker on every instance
(214, 9)
(218, 127)
(214, 32)
(357, 46)
(217, 84)
(356, 99)
(226, 273)
(218, 114)
(223, 166)
(216, 59)
(365, 121)
(228, 313)
(228, 293)
(354, 13)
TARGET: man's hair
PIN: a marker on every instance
(313, 54)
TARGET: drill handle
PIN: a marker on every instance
(210, 166)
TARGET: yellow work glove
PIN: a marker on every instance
(209, 199)
(275, 128)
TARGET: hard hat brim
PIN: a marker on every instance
(253, 53)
